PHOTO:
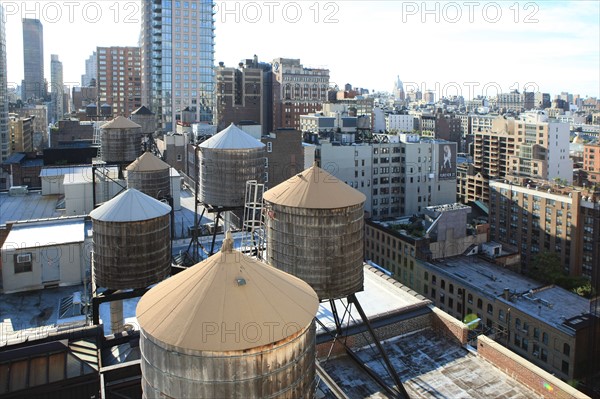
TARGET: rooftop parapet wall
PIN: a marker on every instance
(525, 372)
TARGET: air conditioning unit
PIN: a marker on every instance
(23, 258)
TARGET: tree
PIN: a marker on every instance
(546, 267)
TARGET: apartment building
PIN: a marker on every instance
(539, 216)
(399, 123)
(285, 156)
(296, 91)
(241, 94)
(399, 174)
(177, 41)
(450, 263)
(119, 78)
(591, 162)
(533, 146)
(20, 134)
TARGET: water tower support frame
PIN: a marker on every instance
(397, 392)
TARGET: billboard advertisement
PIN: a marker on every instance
(447, 160)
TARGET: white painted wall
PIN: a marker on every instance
(70, 258)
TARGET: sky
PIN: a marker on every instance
(468, 48)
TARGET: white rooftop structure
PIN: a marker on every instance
(45, 234)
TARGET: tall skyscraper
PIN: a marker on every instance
(91, 71)
(119, 79)
(57, 109)
(399, 90)
(177, 41)
(33, 60)
(3, 94)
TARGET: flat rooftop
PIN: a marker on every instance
(382, 295)
(50, 233)
(33, 312)
(555, 304)
(430, 366)
(28, 207)
(552, 304)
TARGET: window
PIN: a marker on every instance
(566, 349)
(490, 308)
(545, 338)
(433, 279)
(501, 315)
(269, 147)
(443, 284)
(23, 262)
(479, 303)
(470, 298)
(536, 333)
(536, 350)
(179, 157)
(451, 288)
(565, 367)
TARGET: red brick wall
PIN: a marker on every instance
(447, 325)
(525, 372)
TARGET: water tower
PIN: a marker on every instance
(226, 162)
(121, 141)
(228, 327)
(314, 228)
(150, 175)
(131, 245)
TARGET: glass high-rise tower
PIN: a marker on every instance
(177, 42)
(57, 109)
(3, 94)
(34, 85)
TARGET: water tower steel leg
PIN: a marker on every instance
(194, 241)
(212, 246)
(336, 317)
(392, 392)
(352, 298)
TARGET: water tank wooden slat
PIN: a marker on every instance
(323, 247)
(224, 173)
(133, 254)
(121, 145)
(156, 184)
(282, 370)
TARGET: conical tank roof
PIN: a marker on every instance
(228, 302)
(130, 206)
(143, 110)
(314, 189)
(120, 122)
(148, 162)
(231, 138)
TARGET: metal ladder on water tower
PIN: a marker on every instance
(253, 228)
